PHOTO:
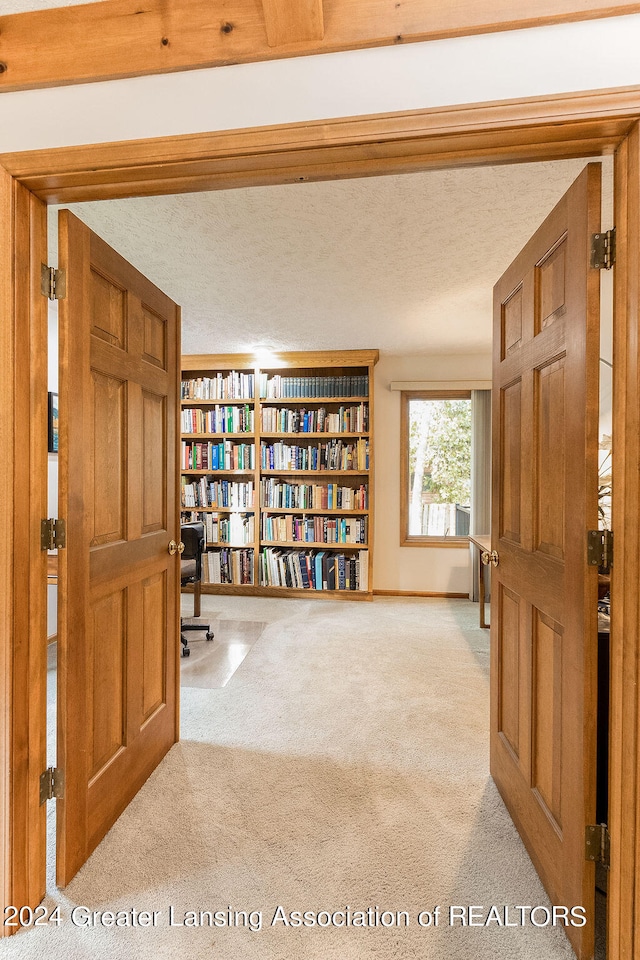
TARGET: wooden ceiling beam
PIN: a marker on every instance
(127, 38)
(292, 21)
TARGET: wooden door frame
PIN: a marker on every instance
(557, 127)
(23, 502)
(624, 743)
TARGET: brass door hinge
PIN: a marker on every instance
(53, 534)
(597, 844)
(51, 784)
(53, 283)
(603, 249)
(600, 549)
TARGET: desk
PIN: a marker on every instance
(483, 544)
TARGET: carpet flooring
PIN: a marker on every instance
(344, 764)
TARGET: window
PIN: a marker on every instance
(435, 491)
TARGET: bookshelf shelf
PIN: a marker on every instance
(223, 401)
(222, 509)
(306, 593)
(301, 401)
(219, 545)
(283, 568)
(312, 436)
(248, 589)
(217, 436)
(313, 511)
(214, 473)
(306, 545)
(325, 474)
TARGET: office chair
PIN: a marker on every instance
(192, 536)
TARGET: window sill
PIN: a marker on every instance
(435, 542)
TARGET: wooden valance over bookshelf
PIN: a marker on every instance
(277, 461)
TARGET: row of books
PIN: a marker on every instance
(277, 387)
(225, 455)
(346, 420)
(217, 493)
(228, 566)
(224, 386)
(290, 528)
(233, 529)
(314, 569)
(314, 496)
(333, 455)
(238, 418)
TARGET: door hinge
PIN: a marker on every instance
(597, 844)
(603, 249)
(51, 784)
(54, 283)
(600, 549)
(53, 534)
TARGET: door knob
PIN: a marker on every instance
(180, 547)
(173, 547)
(490, 558)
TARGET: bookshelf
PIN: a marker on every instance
(277, 461)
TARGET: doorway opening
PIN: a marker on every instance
(93, 210)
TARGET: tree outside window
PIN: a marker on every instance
(436, 466)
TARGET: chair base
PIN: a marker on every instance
(184, 627)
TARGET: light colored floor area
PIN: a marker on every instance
(211, 663)
(343, 764)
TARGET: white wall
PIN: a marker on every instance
(423, 569)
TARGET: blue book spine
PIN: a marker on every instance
(303, 570)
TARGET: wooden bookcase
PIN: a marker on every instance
(244, 424)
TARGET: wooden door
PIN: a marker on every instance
(118, 584)
(544, 596)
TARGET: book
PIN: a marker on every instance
(304, 574)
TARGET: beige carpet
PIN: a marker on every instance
(344, 764)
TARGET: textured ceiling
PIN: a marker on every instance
(404, 263)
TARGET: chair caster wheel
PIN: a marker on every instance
(210, 636)
(186, 652)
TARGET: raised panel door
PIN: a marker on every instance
(544, 629)
(119, 587)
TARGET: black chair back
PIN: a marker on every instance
(192, 535)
